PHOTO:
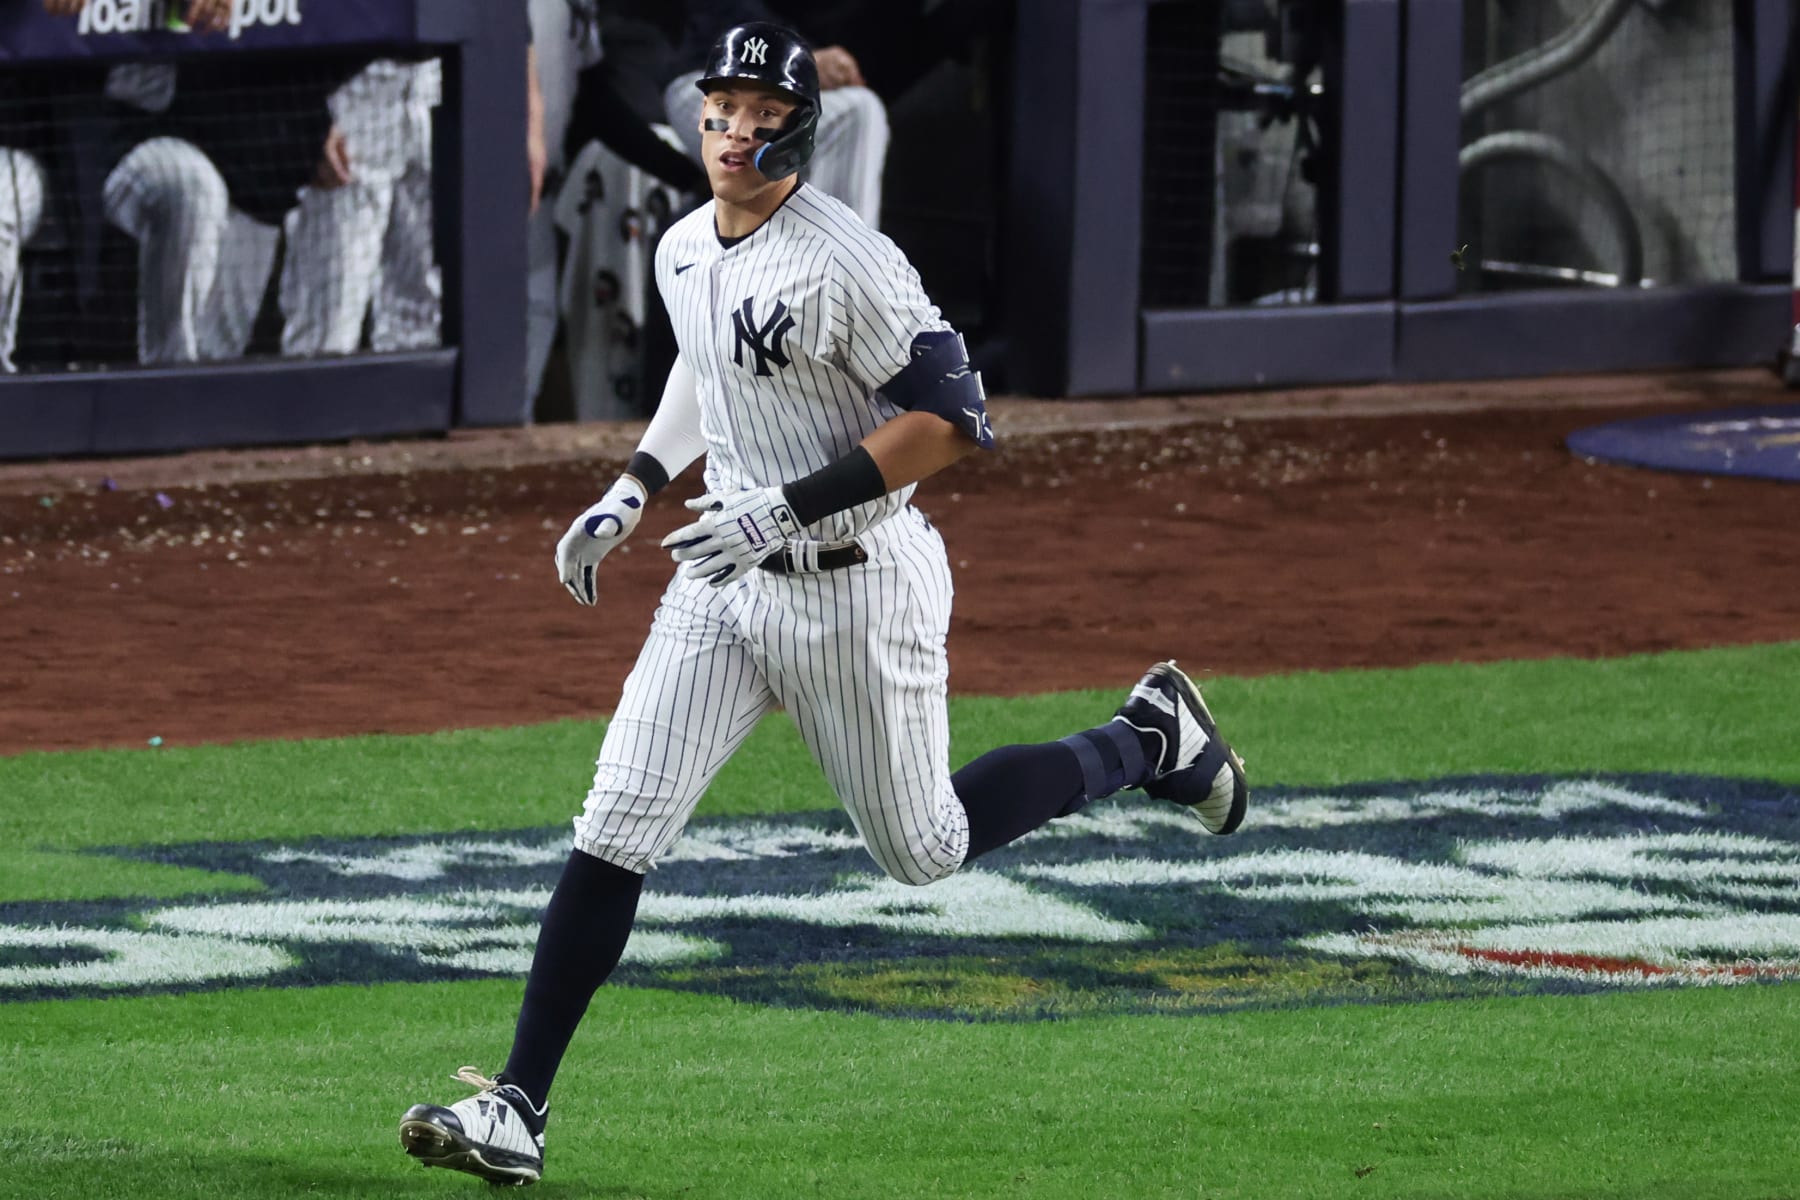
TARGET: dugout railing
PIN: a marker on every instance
(1399, 156)
(472, 378)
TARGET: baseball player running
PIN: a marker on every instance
(822, 385)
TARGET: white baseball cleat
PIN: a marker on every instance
(495, 1133)
(1197, 768)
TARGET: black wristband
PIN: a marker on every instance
(648, 472)
(852, 480)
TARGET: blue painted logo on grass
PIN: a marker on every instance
(1454, 887)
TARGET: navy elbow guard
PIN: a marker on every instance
(940, 381)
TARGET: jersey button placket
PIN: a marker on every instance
(721, 349)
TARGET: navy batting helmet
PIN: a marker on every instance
(769, 54)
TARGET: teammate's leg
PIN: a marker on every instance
(168, 195)
(851, 150)
(408, 303)
(21, 207)
(540, 300)
(334, 234)
(246, 256)
(333, 255)
(683, 102)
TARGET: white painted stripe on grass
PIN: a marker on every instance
(435, 860)
(968, 904)
(400, 922)
(1558, 800)
(1126, 822)
(1656, 939)
(134, 958)
(1703, 858)
(429, 860)
(647, 946)
(1376, 884)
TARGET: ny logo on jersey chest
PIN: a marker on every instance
(764, 341)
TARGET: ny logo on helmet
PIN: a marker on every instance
(764, 340)
(756, 50)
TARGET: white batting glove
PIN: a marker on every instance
(594, 533)
(736, 530)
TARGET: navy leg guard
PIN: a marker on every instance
(1112, 759)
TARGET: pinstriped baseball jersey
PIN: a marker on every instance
(789, 332)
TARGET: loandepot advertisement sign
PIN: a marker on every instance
(1454, 887)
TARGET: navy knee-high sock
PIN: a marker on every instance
(584, 933)
(1013, 790)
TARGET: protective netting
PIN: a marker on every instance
(216, 207)
(1597, 143)
(1230, 117)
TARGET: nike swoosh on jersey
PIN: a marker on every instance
(683, 267)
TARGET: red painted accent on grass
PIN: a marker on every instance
(1602, 965)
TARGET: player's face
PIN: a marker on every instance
(729, 153)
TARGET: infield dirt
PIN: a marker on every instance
(408, 586)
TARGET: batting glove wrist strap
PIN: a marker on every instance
(735, 531)
(594, 534)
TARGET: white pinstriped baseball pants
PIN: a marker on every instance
(202, 264)
(856, 657)
(21, 208)
(365, 248)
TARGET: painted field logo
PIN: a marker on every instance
(1450, 888)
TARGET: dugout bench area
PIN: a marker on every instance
(1184, 196)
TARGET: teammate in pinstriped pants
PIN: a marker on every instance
(359, 242)
(202, 262)
(822, 385)
(21, 209)
(25, 124)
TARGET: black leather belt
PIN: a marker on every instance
(810, 558)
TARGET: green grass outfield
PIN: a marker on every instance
(269, 1093)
